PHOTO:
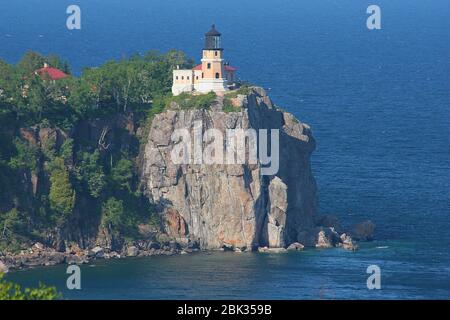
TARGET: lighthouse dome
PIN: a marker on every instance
(213, 32)
(212, 39)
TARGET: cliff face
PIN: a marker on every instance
(233, 205)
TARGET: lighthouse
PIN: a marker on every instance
(213, 74)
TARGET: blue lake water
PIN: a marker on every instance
(379, 106)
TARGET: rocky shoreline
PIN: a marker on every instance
(38, 255)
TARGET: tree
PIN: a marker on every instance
(6, 80)
(62, 194)
(30, 62)
(113, 215)
(90, 172)
(95, 80)
(84, 98)
(11, 223)
(12, 291)
(26, 156)
(122, 174)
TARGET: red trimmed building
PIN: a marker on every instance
(49, 73)
(213, 74)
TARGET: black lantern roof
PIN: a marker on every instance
(213, 32)
(212, 39)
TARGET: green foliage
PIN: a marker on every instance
(62, 194)
(48, 148)
(227, 101)
(158, 105)
(26, 156)
(66, 150)
(243, 90)
(113, 217)
(6, 85)
(193, 101)
(122, 217)
(12, 228)
(11, 223)
(30, 62)
(122, 174)
(84, 97)
(12, 291)
(90, 172)
(228, 106)
(128, 85)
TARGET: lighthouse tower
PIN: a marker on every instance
(213, 67)
(213, 74)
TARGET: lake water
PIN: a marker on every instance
(379, 106)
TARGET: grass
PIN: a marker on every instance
(243, 90)
(188, 101)
(228, 106)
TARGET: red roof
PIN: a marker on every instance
(227, 68)
(52, 73)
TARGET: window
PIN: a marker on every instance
(196, 77)
(203, 75)
(176, 77)
(217, 75)
(187, 77)
(215, 53)
(182, 77)
(209, 65)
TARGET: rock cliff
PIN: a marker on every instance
(234, 205)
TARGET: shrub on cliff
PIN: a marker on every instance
(193, 101)
(13, 225)
(62, 194)
(122, 174)
(26, 155)
(90, 172)
(113, 216)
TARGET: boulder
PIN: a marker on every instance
(193, 245)
(323, 241)
(363, 231)
(271, 250)
(174, 246)
(3, 267)
(296, 246)
(154, 245)
(38, 246)
(98, 252)
(175, 224)
(347, 242)
(52, 259)
(227, 247)
(75, 259)
(132, 251)
(327, 238)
